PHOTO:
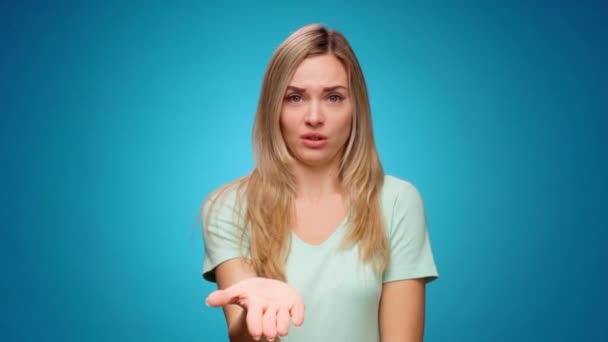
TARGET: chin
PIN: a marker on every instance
(316, 161)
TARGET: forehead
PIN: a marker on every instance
(320, 71)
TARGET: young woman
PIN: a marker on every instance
(317, 235)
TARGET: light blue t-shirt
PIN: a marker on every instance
(341, 294)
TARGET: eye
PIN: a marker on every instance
(295, 98)
(335, 98)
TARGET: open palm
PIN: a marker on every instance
(270, 304)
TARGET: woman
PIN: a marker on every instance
(317, 235)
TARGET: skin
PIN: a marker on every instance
(268, 306)
(317, 100)
(401, 312)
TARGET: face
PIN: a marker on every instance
(317, 111)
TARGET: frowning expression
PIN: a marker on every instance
(317, 111)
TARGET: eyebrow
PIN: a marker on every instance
(302, 90)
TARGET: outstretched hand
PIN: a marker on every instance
(270, 305)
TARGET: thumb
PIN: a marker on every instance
(220, 298)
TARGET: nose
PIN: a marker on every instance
(314, 117)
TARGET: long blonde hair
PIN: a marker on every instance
(267, 193)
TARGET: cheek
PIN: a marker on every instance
(286, 126)
(346, 124)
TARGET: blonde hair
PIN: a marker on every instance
(268, 191)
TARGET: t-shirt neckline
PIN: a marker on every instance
(325, 242)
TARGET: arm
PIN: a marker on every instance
(401, 313)
(255, 306)
(223, 262)
(402, 304)
(228, 273)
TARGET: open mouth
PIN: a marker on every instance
(314, 137)
(314, 141)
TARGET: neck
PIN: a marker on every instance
(313, 183)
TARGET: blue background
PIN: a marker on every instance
(118, 118)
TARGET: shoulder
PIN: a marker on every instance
(226, 198)
(395, 188)
(399, 198)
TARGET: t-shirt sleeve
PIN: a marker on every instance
(222, 230)
(411, 255)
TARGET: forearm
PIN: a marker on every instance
(402, 311)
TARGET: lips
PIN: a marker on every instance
(314, 140)
(314, 136)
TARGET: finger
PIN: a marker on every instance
(229, 295)
(221, 298)
(254, 320)
(297, 312)
(283, 321)
(270, 323)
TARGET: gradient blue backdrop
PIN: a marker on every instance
(118, 118)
